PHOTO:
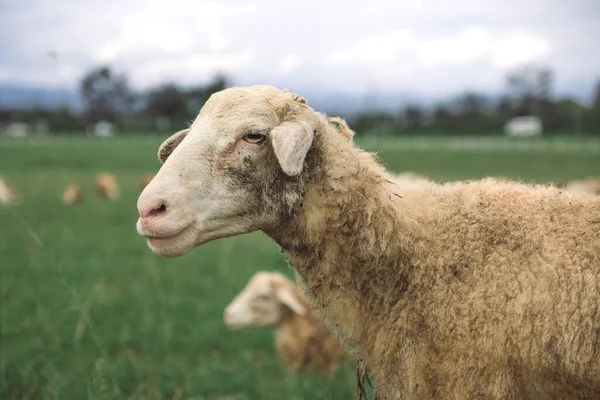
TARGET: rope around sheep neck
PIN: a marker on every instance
(362, 375)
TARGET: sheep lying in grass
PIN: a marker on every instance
(73, 194)
(301, 339)
(107, 187)
(478, 289)
(8, 195)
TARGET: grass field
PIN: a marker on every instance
(88, 312)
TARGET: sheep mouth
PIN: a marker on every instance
(172, 244)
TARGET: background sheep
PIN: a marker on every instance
(586, 185)
(146, 180)
(107, 187)
(469, 289)
(8, 195)
(301, 339)
(73, 194)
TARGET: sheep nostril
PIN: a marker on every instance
(159, 210)
(154, 211)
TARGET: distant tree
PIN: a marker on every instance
(505, 108)
(593, 115)
(413, 117)
(545, 78)
(196, 97)
(105, 94)
(166, 101)
(442, 117)
(528, 86)
(596, 99)
(64, 121)
(470, 105)
(373, 123)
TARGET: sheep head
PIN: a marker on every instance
(265, 301)
(240, 167)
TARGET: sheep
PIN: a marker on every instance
(301, 339)
(8, 194)
(146, 180)
(107, 187)
(73, 194)
(475, 289)
(585, 185)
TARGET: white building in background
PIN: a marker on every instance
(523, 126)
(103, 129)
(17, 129)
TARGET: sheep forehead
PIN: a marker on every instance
(261, 283)
(248, 93)
(263, 104)
(264, 283)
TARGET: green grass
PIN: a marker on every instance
(88, 312)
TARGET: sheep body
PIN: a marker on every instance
(107, 187)
(8, 194)
(481, 288)
(476, 289)
(301, 338)
(586, 185)
(73, 194)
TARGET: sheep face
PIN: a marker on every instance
(237, 169)
(264, 302)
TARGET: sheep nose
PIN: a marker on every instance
(156, 208)
(227, 315)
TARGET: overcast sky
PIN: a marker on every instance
(429, 47)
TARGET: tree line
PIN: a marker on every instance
(528, 93)
(106, 95)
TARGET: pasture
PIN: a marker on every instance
(87, 311)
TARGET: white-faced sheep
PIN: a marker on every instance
(478, 289)
(107, 187)
(8, 194)
(73, 194)
(301, 339)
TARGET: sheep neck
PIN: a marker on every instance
(348, 232)
(291, 327)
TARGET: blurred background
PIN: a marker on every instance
(450, 90)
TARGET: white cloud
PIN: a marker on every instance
(465, 47)
(190, 69)
(515, 49)
(504, 50)
(108, 53)
(430, 47)
(380, 49)
(288, 63)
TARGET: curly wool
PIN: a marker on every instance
(477, 289)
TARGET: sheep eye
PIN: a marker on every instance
(262, 297)
(254, 137)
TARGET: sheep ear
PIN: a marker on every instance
(291, 142)
(167, 147)
(288, 297)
